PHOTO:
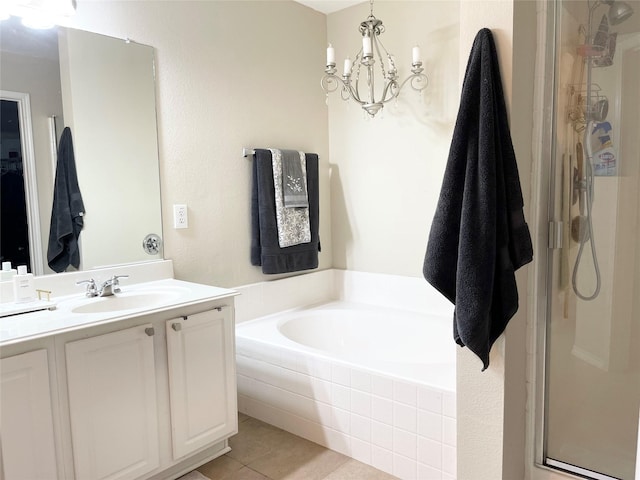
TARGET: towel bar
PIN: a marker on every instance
(247, 151)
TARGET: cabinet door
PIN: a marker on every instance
(112, 404)
(28, 445)
(201, 379)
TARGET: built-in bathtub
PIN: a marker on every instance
(373, 382)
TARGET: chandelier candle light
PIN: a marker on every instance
(371, 29)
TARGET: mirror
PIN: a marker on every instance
(103, 89)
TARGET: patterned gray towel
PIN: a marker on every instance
(293, 223)
(294, 182)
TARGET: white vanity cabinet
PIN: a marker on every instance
(111, 381)
(148, 394)
(118, 388)
(201, 386)
(28, 443)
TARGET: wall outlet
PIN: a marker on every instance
(180, 216)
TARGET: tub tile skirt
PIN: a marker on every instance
(405, 429)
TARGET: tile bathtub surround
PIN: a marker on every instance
(264, 298)
(404, 429)
(410, 293)
(407, 430)
(263, 452)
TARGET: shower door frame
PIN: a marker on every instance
(550, 222)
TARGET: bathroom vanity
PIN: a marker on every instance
(141, 385)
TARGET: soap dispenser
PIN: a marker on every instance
(7, 272)
(24, 289)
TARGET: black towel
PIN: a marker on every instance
(479, 236)
(265, 249)
(67, 211)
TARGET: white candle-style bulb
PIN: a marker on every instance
(331, 55)
(367, 49)
(416, 54)
(347, 66)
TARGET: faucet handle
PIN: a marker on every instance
(92, 289)
(115, 282)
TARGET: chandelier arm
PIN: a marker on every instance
(329, 83)
(352, 93)
(390, 87)
(415, 77)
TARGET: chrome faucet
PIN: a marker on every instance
(107, 289)
(111, 286)
(92, 289)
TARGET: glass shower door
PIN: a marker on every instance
(593, 334)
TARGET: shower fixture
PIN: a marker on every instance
(596, 112)
(365, 59)
(619, 11)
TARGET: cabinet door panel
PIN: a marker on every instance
(112, 401)
(201, 380)
(28, 446)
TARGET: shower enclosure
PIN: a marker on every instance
(592, 339)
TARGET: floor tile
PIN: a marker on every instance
(245, 473)
(220, 468)
(354, 470)
(302, 460)
(255, 439)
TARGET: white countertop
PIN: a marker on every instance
(167, 294)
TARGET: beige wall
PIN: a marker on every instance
(386, 171)
(229, 74)
(491, 404)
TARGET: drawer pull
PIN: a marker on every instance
(176, 326)
(150, 331)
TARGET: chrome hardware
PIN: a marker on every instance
(92, 289)
(176, 326)
(555, 235)
(150, 331)
(111, 286)
(152, 244)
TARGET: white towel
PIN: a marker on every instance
(293, 223)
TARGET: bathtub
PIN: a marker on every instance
(372, 382)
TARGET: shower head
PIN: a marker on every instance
(619, 11)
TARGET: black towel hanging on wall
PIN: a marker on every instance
(479, 236)
(265, 248)
(68, 209)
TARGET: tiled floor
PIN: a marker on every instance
(262, 452)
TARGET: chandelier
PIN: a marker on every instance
(365, 95)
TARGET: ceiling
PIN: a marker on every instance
(329, 6)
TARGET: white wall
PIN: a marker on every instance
(228, 76)
(386, 172)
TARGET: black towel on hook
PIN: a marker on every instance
(479, 236)
(67, 211)
(265, 248)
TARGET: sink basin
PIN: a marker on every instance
(126, 301)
